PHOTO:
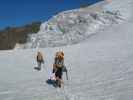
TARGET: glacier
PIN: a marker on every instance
(74, 26)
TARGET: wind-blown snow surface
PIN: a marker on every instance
(100, 68)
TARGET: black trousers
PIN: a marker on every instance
(58, 73)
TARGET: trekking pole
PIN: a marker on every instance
(66, 75)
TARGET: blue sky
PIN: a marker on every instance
(20, 12)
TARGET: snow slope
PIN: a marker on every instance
(124, 7)
(100, 68)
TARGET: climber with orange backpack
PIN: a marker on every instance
(59, 67)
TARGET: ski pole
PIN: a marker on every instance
(66, 75)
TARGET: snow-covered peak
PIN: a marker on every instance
(73, 26)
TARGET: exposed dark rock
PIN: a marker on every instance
(10, 36)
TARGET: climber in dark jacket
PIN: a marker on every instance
(39, 59)
(58, 67)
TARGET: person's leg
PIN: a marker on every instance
(60, 80)
(39, 65)
(56, 81)
(57, 78)
(53, 70)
